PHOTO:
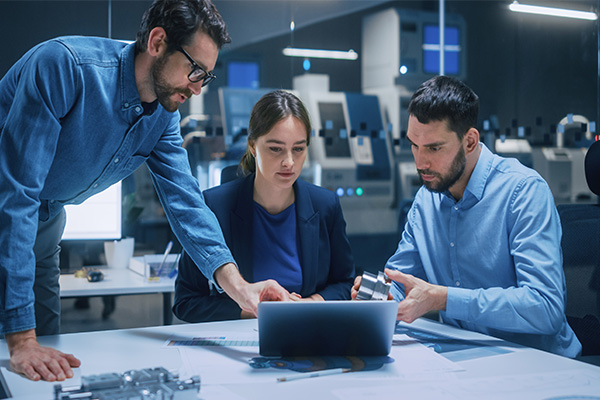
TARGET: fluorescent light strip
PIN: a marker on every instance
(314, 53)
(436, 47)
(556, 12)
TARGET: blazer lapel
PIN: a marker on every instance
(307, 221)
(241, 229)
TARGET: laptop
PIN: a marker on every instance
(326, 328)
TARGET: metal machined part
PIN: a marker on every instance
(148, 383)
(374, 287)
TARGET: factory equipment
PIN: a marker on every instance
(351, 153)
(223, 141)
(563, 166)
(400, 50)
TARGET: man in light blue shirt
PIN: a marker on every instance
(79, 114)
(482, 238)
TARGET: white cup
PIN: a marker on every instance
(118, 252)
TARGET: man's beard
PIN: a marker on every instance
(163, 90)
(446, 181)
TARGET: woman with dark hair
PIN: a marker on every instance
(276, 225)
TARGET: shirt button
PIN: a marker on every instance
(456, 208)
(126, 104)
(138, 109)
(117, 160)
(457, 283)
(451, 244)
(52, 201)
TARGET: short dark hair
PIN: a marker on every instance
(443, 98)
(269, 110)
(181, 19)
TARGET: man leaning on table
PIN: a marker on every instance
(78, 114)
(482, 239)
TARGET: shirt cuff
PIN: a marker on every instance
(18, 320)
(457, 303)
(397, 294)
(212, 264)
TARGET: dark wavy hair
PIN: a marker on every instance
(269, 110)
(443, 98)
(181, 19)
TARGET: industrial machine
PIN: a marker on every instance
(562, 166)
(221, 140)
(401, 49)
(351, 154)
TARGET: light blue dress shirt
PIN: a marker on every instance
(497, 250)
(71, 125)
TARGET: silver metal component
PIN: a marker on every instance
(374, 287)
(148, 383)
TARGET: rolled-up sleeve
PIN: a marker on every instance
(191, 219)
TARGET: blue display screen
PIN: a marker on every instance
(431, 50)
(243, 74)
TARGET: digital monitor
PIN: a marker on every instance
(99, 217)
(236, 106)
(365, 119)
(431, 49)
(334, 130)
(243, 74)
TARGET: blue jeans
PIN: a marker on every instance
(47, 271)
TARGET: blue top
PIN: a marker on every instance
(323, 249)
(71, 125)
(276, 248)
(498, 251)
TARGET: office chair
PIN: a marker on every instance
(581, 261)
(230, 173)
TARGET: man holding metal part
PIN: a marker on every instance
(482, 239)
(79, 114)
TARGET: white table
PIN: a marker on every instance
(519, 373)
(119, 281)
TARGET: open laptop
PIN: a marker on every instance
(326, 328)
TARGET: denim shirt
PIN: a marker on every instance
(497, 250)
(71, 125)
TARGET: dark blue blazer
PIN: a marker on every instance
(325, 255)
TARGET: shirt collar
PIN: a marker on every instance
(480, 174)
(129, 92)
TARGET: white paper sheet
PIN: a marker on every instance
(217, 365)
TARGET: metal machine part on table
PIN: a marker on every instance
(145, 384)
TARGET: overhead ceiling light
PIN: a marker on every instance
(557, 12)
(315, 53)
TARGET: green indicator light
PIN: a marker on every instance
(359, 191)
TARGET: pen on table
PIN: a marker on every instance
(175, 267)
(315, 374)
(167, 251)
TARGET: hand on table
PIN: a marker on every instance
(27, 357)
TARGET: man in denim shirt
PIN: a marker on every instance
(76, 116)
(482, 239)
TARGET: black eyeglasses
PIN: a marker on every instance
(198, 73)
